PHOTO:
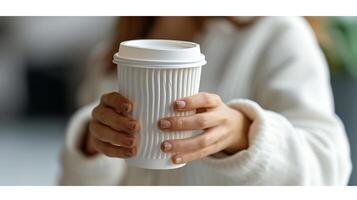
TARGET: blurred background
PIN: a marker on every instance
(41, 60)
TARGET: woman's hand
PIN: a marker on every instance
(225, 129)
(112, 131)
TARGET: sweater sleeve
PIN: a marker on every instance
(78, 169)
(295, 137)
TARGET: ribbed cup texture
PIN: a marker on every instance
(153, 92)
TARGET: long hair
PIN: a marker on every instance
(129, 28)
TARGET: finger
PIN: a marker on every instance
(109, 135)
(200, 100)
(113, 151)
(188, 157)
(193, 122)
(116, 121)
(201, 141)
(117, 102)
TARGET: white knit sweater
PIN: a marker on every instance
(273, 72)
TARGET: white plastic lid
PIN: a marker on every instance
(160, 53)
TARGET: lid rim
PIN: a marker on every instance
(159, 52)
(160, 64)
(117, 58)
(126, 44)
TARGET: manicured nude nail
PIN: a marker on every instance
(180, 104)
(167, 146)
(131, 126)
(125, 107)
(130, 143)
(178, 160)
(165, 123)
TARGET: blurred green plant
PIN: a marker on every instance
(341, 51)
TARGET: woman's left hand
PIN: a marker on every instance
(225, 129)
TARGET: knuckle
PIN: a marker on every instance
(204, 142)
(105, 97)
(211, 99)
(225, 119)
(97, 112)
(178, 122)
(205, 95)
(202, 121)
(214, 99)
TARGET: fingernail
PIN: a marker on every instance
(165, 123)
(130, 142)
(180, 104)
(125, 107)
(167, 146)
(178, 160)
(131, 126)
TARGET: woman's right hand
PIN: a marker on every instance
(112, 131)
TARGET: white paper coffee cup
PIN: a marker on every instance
(152, 74)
